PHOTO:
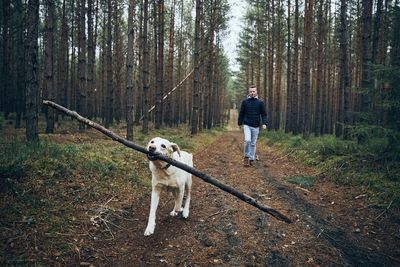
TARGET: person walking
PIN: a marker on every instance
(252, 110)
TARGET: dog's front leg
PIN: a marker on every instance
(155, 197)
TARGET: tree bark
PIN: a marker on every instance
(289, 92)
(109, 103)
(82, 59)
(145, 74)
(196, 75)
(49, 70)
(129, 71)
(344, 66)
(32, 87)
(117, 63)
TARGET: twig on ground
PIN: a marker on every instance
(322, 230)
(387, 208)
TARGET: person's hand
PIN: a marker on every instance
(264, 126)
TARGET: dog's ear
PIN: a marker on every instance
(175, 147)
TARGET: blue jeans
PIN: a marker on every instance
(250, 140)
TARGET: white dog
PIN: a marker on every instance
(166, 176)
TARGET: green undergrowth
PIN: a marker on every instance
(45, 186)
(367, 166)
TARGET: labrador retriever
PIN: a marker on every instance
(165, 176)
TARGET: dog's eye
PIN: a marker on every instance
(163, 146)
(152, 142)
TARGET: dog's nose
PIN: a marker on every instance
(152, 148)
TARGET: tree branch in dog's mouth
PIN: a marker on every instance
(152, 156)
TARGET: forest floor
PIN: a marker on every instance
(333, 225)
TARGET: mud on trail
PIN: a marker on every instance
(332, 226)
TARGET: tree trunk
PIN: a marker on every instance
(295, 73)
(32, 87)
(159, 53)
(366, 55)
(145, 75)
(20, 65)
(344, 67)
(196, 74)
(91, 53)
(117, 64)
(278, 69)
(109, 104)
(170, 116)
(320, 69)
(270, 45)
(306, 88)
(289, 92)
(129, 71)
(82, 59)
(62, 68)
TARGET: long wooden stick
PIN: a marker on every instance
(178, 164)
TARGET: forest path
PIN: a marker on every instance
(332, 226)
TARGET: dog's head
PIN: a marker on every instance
(161, 146)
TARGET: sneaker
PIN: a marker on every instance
(246, 162)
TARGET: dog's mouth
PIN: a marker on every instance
(151, 156)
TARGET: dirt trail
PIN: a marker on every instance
(331, 226)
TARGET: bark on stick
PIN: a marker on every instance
(178, 164)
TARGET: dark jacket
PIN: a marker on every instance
(250, 112)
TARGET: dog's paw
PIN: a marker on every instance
(149, 230)
(185, 213)
(173, 213)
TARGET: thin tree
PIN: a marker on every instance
(62, 62)
(295, 72)
(20, 65)
(278, 67)
(159, 53)
(344, 66)
(49, 70)
(6, 58)
(289, 92)
(117, 63)
(169, 83)
(129, 71)
(320, 68)
(82, 59)
(271, 51)
(196, 74)
(306, 88)
(91, 53)
(145, 70)
(366, 55)
(109, 91)
(32, 86)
